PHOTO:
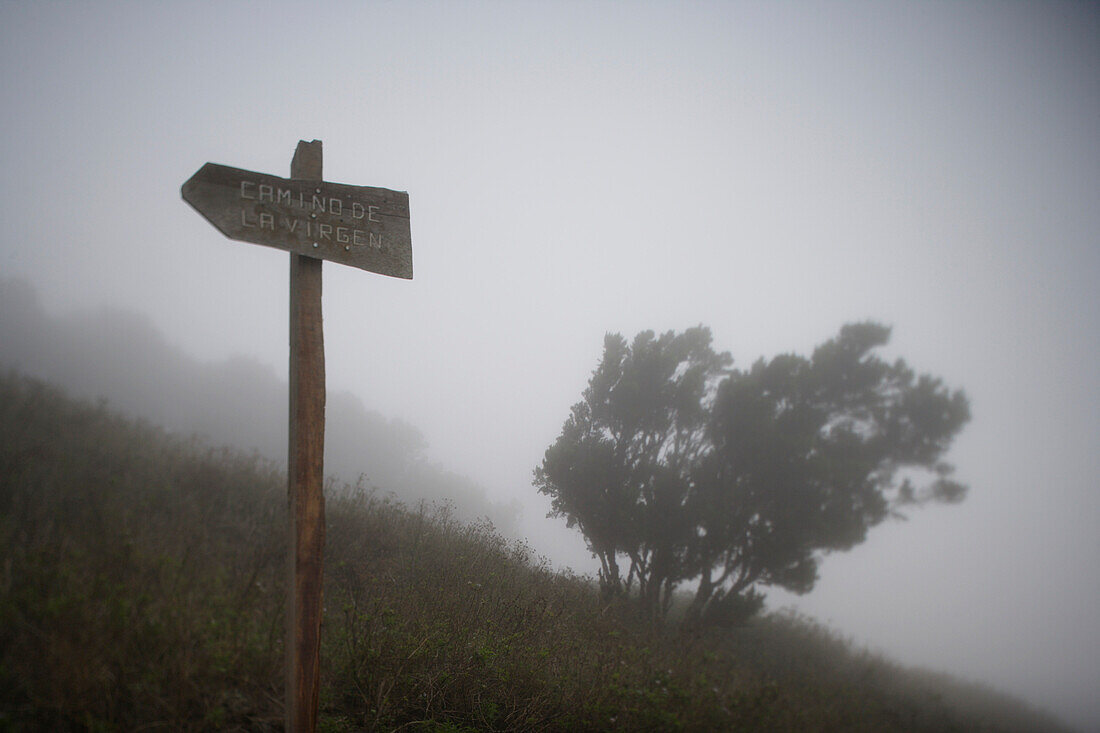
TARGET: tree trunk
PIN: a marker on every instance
(694, 615)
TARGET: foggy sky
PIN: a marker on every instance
(769, 170)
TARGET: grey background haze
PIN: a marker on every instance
(771, 170)
(120, 357)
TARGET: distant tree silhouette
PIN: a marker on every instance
(684, 468)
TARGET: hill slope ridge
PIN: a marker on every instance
(142, 588)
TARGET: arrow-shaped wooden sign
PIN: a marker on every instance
(360, 226)
(314, 220)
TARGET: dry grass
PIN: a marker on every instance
(141, 589)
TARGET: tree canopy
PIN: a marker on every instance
(677, 467)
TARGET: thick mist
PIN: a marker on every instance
(119, 357)
(769, 170)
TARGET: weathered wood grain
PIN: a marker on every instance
(314, 220)
(305, 475)
(359, 226)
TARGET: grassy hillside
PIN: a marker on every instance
(141, 588)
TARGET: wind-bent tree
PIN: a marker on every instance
(622, 469)
(684, 468)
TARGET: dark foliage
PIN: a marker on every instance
(687, 469)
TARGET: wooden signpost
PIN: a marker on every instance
(314, 220)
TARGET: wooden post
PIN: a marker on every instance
(359, 226)
(305, 479)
